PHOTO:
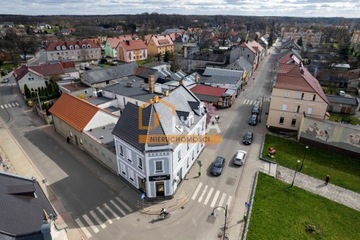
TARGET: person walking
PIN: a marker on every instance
(327, 179)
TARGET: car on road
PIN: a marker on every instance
(248, 138)
(217, 166)
(5, 80)
(253, 120)
(256, 108)
(240, 157)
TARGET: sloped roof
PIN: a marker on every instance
(40, 70)
(74, 111)
(111, 73)
(208, 90)
(210, 71)
(294, 77)
(22, 202)
(343, 100)
(131, 45)
(127, 127)
(52, 45)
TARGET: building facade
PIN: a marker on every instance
(80, 50)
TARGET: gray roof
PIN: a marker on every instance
(220, 80)
(104, 135)
(180, 99)
(107, 74)
(207, 98)
(210, 71)
(98, 100)
(178, 75)
(343, 100)
(133, 87)
(22, 202)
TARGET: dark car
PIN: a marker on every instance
(256, 109)
(5, 80)
(217, 166)
(253, 120)
(248, 137)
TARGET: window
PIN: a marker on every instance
(297, 109)
(131, 175)
(293, 122)
(179, 155)
(286, 94)
(123, 168)
(192, 154)
(158, 166)
(187, 162)
(302, 96)
(309, 111)
(284, 106)
(281, 122)
(314, 97)
(121, 150)
(128, 155)
(140, 163)
(81, 141)
(71, 134)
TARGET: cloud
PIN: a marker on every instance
(294, 8)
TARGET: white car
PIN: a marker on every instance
(5, 80)
(240, 157)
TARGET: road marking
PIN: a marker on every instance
(90, 223)
(124, 204)
(117, 207)
(196, 191)
(215, 198)
(208, 196)
(17, 104)
(222, 199)
(229, 201)
(13, 104)
(203, 193)
(245, 101)
(97, 219)
(6, 106)
(2, 107)
(102, 213)
(110, 210)
(83, 228)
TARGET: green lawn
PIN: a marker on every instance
(283, 212)
(343, 171)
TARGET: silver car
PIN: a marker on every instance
(240, 157)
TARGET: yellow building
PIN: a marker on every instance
(159, 44)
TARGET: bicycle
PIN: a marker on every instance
(163, 216)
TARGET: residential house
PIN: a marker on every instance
(219, 97)
(309, 37)
(242, 64)
(149, 154)
(112, 44)
(43, 25)
(75, 88)
(159, 44)
(5, 56)
(253, 52)
(25, 210)
(79, 50)
(36, 76)
(132, 50)
(343, 104)
(87, 127)
(99, 78)
(295, 94)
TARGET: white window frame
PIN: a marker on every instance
(140, 162)
(283, 107)
(162, 166)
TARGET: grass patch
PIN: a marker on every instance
(344, 171)
(281, 212)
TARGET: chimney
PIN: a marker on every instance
(301, 71)
(151, 83)
(196, 78)
(166, 93)
(156, 99)
(181, 82)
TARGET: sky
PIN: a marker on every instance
(291, 8)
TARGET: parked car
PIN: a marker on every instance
(248, 137)
(240, 157)
(217, 166)
(5, 80)
(256, 108)
(253, 120)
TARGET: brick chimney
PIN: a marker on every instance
(196, 78)
(151, 84)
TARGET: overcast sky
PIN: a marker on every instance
(292, 8)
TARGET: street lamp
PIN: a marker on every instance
(302, 163)
(226, 212)
(296, 169)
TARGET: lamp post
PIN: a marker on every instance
(302, 163)
(296, 169)
(226, 212)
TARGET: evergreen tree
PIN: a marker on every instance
(27, 91)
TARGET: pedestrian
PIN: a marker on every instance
(327, 179)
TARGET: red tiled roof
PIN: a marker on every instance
(70, 64)
(131, 45)
(208, 90)
(52, 45)
(74, 111)
(48, 69)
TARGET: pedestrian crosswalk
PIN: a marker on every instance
(101, 216)
(209, 196)
(9, 105)
(7, 84)
(250, 102)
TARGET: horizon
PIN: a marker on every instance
(348, 9)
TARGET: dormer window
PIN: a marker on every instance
(58, 48)
(63, 47)
(71, 47)
(88, 46)
(83, 46)
(77, 46)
